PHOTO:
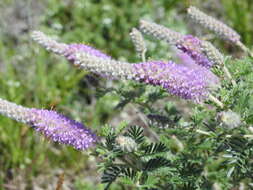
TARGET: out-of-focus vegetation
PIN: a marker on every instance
(32, 77)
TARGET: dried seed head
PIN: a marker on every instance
(160, 32)
(126, 143)
(138, 42)
(230, 119)
(213, 24)
(54, 126)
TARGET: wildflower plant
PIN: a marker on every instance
(208, 146)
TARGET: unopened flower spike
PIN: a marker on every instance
(139, 43)
(216, 26)
(160, 32)
(213, 24)
(212, 52)
(52, 125)
(66, 50)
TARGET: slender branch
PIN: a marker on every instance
(143, 56)
(244, 48)
(203, 132)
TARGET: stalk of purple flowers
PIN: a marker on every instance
(189, 44)
(202, 52)
(179, 80)
(52, 125)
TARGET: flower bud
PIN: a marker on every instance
(230, 119)
(126, 143)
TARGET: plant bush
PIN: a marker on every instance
(197, 143)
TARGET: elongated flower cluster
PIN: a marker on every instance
(184, 81)
(179, 80)
(54, 126)
(213, 24)
(202, 52)
(66, 50)
(160, 32)
(138, 42)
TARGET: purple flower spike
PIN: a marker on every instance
(179, 80)
(187, 61)
(60, 128)
(192, 47)
(54, 126)
(184, 81)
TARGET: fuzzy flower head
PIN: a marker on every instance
(52, 125)
(179, 80)
(192, 46)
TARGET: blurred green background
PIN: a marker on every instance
(35, 78)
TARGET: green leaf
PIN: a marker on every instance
(156, 163)
(155, 148)
(136, 133)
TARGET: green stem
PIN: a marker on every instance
(227, 73)
(143, 56)
(244, 48)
